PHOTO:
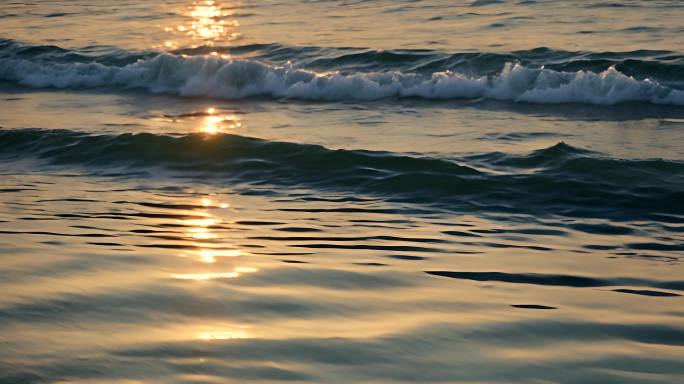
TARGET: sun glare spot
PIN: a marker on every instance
(209, 256)
(208, 222)
(211, 124)
(203, 234)
(236, 272)
(240, 333)
(208, 23)
(206, 276)
(217, 123)
(234, 253)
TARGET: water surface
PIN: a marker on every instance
(341, 192)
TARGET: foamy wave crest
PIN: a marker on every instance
(234, 79)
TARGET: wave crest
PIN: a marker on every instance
(560, 179)
(223, 77)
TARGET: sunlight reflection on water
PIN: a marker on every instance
(202, 231)
(239, 333)
(216, 122)
(210, 23)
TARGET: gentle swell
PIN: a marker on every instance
(225, 77)
(559, 179)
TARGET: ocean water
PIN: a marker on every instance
(317, 191)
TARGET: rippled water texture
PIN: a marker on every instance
(483, 191)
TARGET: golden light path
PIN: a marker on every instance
(201, 230)
(206, 276)
(215, 275)
(239, 333)
(210, 23)
(215, 122)
(209, 255)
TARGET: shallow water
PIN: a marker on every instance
(338, 192)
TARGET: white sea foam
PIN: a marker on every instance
(234, 79)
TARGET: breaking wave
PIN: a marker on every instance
(222, 76)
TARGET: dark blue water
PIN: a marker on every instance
(561, 179)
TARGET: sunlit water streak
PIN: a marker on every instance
(209, 24)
